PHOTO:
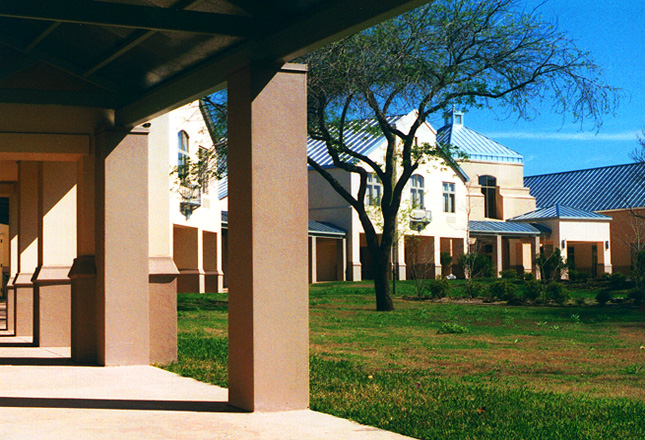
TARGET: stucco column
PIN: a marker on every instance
(57, 251)
(535, 250)
(436, 249)
(13, 262)
(28, 176)
(400, 258)
(268, 299)
(123, 325)
(606, 256)
(313, 263)
(498, 255)
(341, 259)
(84, 308)
(162, 279)
(354, 268)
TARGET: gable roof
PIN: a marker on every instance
(558, 211)
(476, 145)
(595, 189)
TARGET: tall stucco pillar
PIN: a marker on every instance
(606, 256)
(162, 270)
(313, 263)
(498, 255)
(57, 251)
(400, 259)
(84, 308)
(354, 268)
(436, 255)
(28, 175)
(122, 266)
(268, 290)
(341, 259)
(535, 250)
(13, 262)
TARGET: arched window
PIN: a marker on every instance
(182, 153)
(417, 191)
(489, 190)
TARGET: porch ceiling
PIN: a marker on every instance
(146, 57)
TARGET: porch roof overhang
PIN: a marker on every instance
(506, 229)
(142, 58)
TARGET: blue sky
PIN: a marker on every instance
(614, 32)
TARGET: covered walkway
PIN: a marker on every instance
(144, 402)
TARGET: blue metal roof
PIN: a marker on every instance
(475, 145)
(558, 211)
(595, 189)
(505, 228)
(315, 228)
(222, 188)
(363, 138)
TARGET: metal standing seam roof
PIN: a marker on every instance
(595, 189)
(476, 145)
(506, 228)
(322, 229)
(363, 139)
(558, 211)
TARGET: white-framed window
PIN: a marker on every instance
(417, 191)
(448, 197)
(182, 153)
(374, 190)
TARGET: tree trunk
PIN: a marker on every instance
(384, 301)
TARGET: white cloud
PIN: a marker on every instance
(629, 136)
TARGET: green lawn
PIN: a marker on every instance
(516, 372)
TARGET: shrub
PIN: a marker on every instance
(446, 260)
(503, 290)
(603, 297)
(451, 328)
(557, 293)
(476, 265)
(616, 280)
(475, 290)
(577, 276)
(528, 276)
(533, 289)
(636, 296)
(510, 274)
(439, 288)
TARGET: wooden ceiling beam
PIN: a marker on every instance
(333, 20)
(129, 16)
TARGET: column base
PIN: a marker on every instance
(84, 310)
(354, 272)
(24, 305)
(53, 308)
(162, 291)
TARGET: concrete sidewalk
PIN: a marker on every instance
(143, 402)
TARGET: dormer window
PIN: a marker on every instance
(458, 119)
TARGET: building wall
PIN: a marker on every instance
(513, 198)
(626, 230)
